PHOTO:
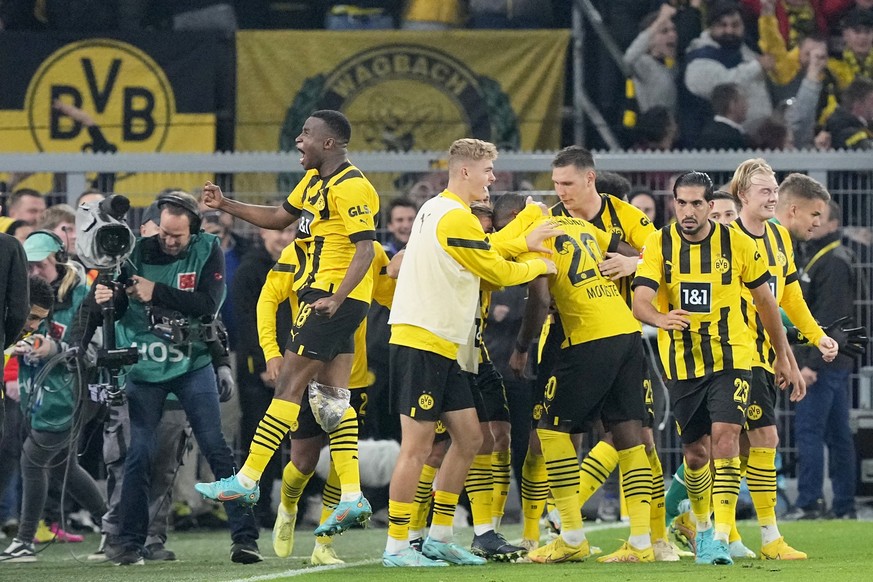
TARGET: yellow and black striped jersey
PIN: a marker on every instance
(706, 279)
(623, 219)
(590, 305)
(335, 211)
(279, 287)
(778, 252)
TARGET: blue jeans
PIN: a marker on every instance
(198, 395)
(822, 418)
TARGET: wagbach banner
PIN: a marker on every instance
(143, 93)
(403, 91)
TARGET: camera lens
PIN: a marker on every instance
(113, 240)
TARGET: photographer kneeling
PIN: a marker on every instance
(174, 281)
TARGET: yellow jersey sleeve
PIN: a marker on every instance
(461, 236)
(650, 271)
(753, 268)
(383, 285)
(277, 288)
(636, 225)
(295, 198)
(356, 202)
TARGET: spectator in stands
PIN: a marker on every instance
(430, 15)
(772, 134)
(362, 14)
(794, 19)
(26, 204)
(813, 88)
(612, 183)
(643, 199)
(719, 56)
(834, 10)
(510, 13)
(17, 229)
(401, 215)
(652, 60)
(850, 124)
(656, 129)
(725, 130)
(234, 248)
(857, 57)
(61, 220)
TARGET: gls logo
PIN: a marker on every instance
(359, 210)
(122, 88)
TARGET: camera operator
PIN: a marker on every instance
(51, 396)
(173, 282)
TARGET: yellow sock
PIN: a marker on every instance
(344, 452)
(595, 468)
(657, 519)
(399, 513)
(423, 498)
(561, 465)
(699, 485)
(444, 504)
(534, 491)
(479, 486)
(636, 482)
(725, 488)
(500, 470)
(761, 478)
(277, 421)
(330, 498)
(293, 483)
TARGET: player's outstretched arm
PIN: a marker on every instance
(270, 217)
(785, 366)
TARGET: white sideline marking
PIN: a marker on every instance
(319, 569)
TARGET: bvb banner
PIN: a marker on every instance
(402, 91)
(156, 92)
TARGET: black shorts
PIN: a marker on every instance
(550, 355)
(490, 394)
(423, 384)
(721, 397)
(600, 379)
(763, 397)
(308, 427)
(648, 394)
(322, 338)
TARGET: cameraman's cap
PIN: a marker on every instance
(858, 18)
(153, 213)
(40, 245)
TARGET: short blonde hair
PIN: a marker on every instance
(743, 175)
(471, 150)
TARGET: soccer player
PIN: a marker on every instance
(695, 270)
(447, 258)
(308, 439)
(755, 189)
(336, 206)
(598, 376)
(724, 209)
(574, 178)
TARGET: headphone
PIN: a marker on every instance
(61, 255)
(188, 205)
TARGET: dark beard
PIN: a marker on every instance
(729, 42)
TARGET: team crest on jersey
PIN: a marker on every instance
(186, 281)
(425, 401)
(722, 265)
(781, 259)
(58, 330)
(538, 412)
(617, 230)
(754, 412)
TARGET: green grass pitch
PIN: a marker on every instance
(839, 550)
